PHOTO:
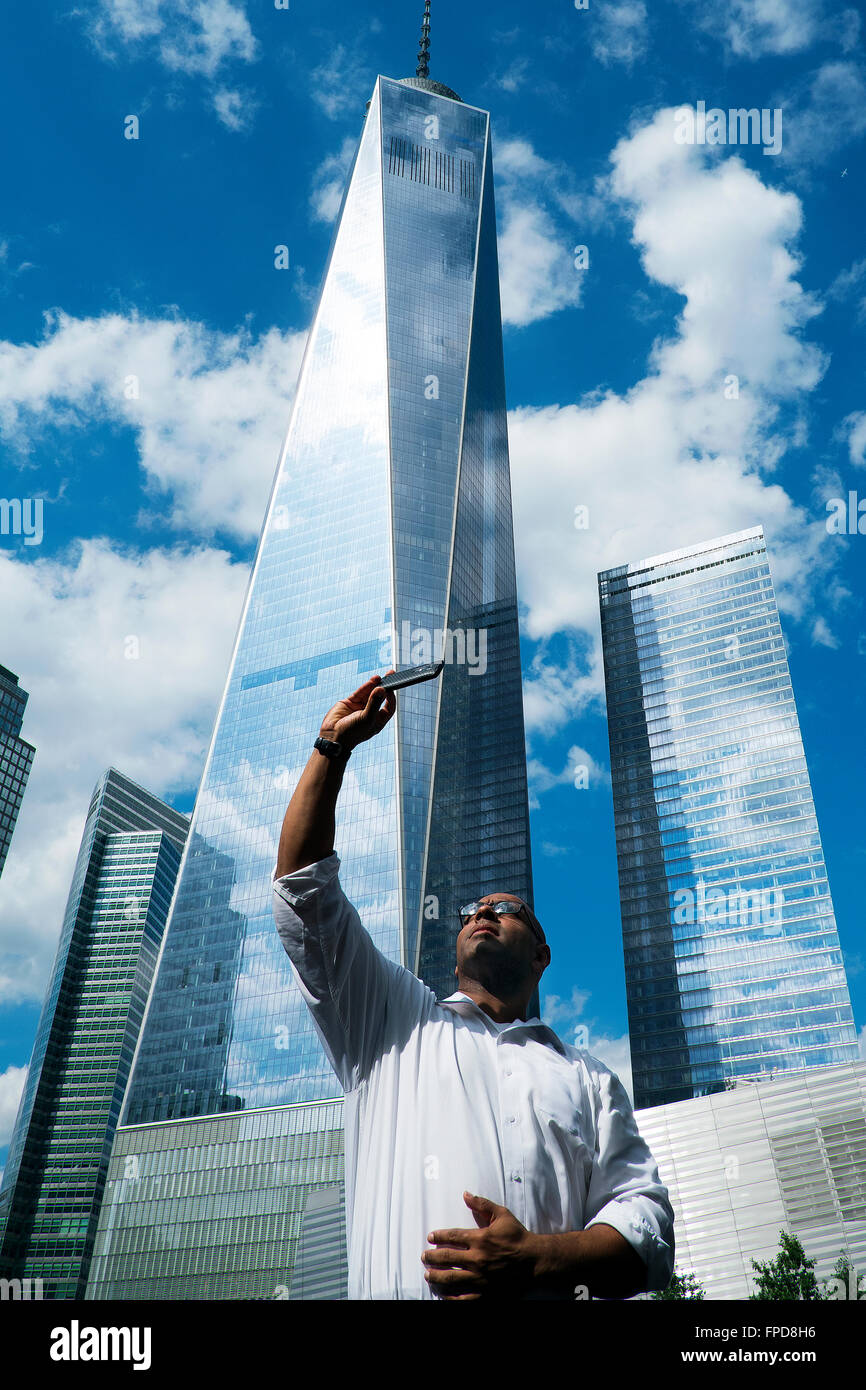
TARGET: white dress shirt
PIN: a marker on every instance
(440, 1099)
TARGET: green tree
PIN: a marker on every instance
(789, 1276)
(845, 1274)
(682, 1286)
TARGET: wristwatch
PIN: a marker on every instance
(332, 749)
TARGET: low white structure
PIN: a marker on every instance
(787, 1153)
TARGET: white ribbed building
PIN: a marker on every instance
(769, 1155)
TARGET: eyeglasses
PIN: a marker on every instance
(504, 908)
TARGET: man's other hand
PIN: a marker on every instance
(359, 716)
(495, 1261)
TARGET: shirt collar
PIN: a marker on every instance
(458, 998)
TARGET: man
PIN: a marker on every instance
(484, 1158)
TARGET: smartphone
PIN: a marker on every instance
(411, 676)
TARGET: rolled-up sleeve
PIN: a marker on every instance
(359, 1000)
(625, 1189)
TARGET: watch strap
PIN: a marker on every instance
(331, 749)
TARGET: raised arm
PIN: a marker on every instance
(308, 828)
(360, 1001)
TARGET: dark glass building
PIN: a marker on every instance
(732, 958)
(388, 540)
(115, 916)
(16, 757)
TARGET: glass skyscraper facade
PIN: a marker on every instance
(115, 916)
(16, 757)
(388, 539)
(732, 958)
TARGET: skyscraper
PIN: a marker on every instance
(115, 916)
(16, 757)
(732, 958)
(388, 537)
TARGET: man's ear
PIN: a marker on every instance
(542, 957)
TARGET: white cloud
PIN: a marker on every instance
(554, 693)
(130, 20)
(11, 1086)
(674, 460)
(514, 76)
(8, 272)
(854, 426)
(235, 109)
(520, 170)
(756, 27)
(196, 37)
(564, 1013)
(64, 625)
(329, 181)
(753, 28)
(619, 32)
(210, 414)
(537, 273)
(215, 32)
(341, 86)
(578, 760)
(851, 284)
(849, 281)
(822, 636)
(823, 113)
(538, 209)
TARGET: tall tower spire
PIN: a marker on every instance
(423, 69)
(422, 77)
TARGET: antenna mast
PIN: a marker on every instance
(423, 69)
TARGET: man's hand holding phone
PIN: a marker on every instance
(364, 714)
(360, 716)
(308, 827)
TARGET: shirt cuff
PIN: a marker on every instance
(644, 1237)
(295, 887)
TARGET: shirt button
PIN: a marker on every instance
(506, 1072)
(512, 1119)
(515, 1177)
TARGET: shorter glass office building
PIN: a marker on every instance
(219, 1207)
(762, 1157)
(16, 757)
(732, 958)
(115, 916)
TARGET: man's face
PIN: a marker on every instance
(506, 945)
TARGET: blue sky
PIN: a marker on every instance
(149, 349)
